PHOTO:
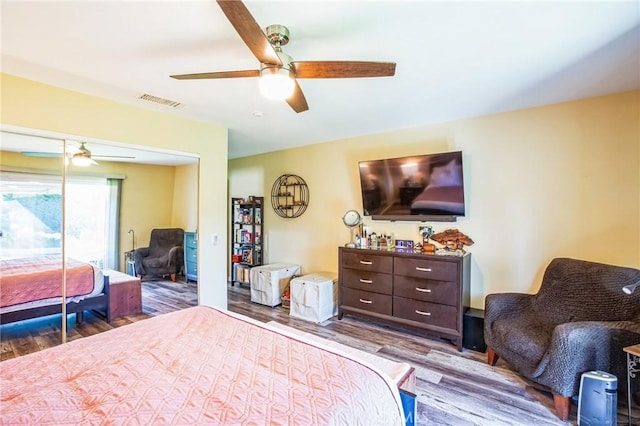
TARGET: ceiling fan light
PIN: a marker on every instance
(276, 83)
(80, 160)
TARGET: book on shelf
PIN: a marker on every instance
(247, 256)
(238, 214)
(241, 273)
(243, 236)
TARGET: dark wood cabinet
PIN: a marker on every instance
(428, 292)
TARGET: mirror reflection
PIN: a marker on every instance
(93, 204)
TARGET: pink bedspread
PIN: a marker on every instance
(37, 278)
(195, 366)
(448, 198)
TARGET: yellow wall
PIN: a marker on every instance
(147, 193)
(185, 198)
(32, 105)
(559, 180)
(146, 189)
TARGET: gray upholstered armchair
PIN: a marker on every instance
(579, 321)
(164, 256)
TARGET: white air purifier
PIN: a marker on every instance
(598, 399)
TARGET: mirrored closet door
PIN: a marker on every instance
(83, 219)
(31, 242)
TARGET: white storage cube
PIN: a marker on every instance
(314, 297)
(269, 281)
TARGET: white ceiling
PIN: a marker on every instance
(38, 143)
(454, 59)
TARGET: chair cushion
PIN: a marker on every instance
(521, 341)
(157, 262)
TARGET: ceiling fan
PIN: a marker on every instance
(79, 156)
(280, 68)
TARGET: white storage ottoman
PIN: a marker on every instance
(269, 281)
(314, 297)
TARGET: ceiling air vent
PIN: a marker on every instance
(161, 101)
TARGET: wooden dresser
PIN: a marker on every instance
(190, 256)
(428, 292)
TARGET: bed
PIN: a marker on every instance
(200, 365)
(32, 287)
(439, 200)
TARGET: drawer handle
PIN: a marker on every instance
(366, 301)
(366, 262)
(423, 290)
(366, 281)
(423, 269)
(426, 314)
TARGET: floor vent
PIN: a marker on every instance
(161, 101)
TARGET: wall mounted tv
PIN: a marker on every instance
(421, 187)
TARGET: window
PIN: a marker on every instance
(87, 221)
(31, 217)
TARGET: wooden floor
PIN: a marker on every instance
(454, 388)
(158, 297)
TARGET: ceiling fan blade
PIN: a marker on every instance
(249, 30)
(343, 69)
(111, 156)
(221, 74)
(42, 154)
(297, 101)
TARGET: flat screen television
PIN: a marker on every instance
(426, 187)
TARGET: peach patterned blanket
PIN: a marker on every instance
(195, 366)
(37, 278)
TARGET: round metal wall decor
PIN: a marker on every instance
(289, 196)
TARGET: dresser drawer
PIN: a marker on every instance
(190, 241)
(443, 292)
(192, 267)
(376, 282)
(372, 302)
(424, 312)
(426, 268)
(367, 262)
(190, 255)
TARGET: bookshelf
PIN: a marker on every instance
(247, 226)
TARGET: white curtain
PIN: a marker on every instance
(112, 256)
